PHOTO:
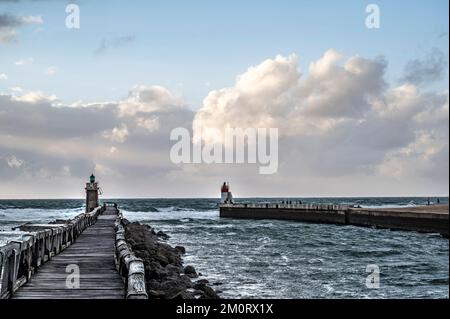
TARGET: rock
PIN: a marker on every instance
(190, 271)
(163, 260)
(166, 278)
(173, 288)
(209, 293)
(155, 271)
(200, 284)
(155, 294)
(181, 249)
(187, 281)
(162, 235)
(174, 269)
(198, 294)
(186, 295)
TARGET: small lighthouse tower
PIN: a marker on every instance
(226, 197)
(91, 194)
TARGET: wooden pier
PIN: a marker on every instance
(86, 257)
(93, 255)
(83, 258)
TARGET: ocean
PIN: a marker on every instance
(276, 259)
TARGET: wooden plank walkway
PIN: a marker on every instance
(93, 253)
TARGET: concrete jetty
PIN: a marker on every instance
(424, 219)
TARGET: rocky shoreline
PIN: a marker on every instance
(165, 275)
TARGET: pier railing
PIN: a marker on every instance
(309, 207)
(20, 259)
(130, 267)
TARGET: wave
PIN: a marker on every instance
(174, 208)
(390, 205)
(20, 215)
(40, 203)
(170, 214)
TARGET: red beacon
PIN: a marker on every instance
(225, 188)
(226, 197)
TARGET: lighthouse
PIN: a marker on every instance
(226, 197)
(91, 194)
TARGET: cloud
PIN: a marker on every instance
(57, 141)
(340, 120)
(118, 134)
(32, 20)
(52, 70)
(3, 77)
(10, 23)
(16, 89)
(142, 99)
(151, 124)
(25, 61)
(14, 162)
(424, 71)
(339, 124)
(274, 94)
(34, 115)
(116, 42)
(33, 97)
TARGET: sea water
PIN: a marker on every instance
(274, 258)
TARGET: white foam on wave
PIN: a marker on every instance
(7, 235)
(390, 205)
(181, 215)
(37, 214)
(173, 208)
(13, 217)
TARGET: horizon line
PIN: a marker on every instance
(244, 197)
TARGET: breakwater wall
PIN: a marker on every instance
(426, 219)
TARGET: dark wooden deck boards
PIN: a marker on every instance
(93, 252)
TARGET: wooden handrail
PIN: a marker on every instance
(20, 259)
(128, 265)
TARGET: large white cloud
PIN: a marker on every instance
(275, 94)
(142, 99)
(53, 141)
(343, 131)
(339, 119)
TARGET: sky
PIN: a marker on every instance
(359, 111)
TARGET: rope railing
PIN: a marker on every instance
(20, 259)
(130, 267)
